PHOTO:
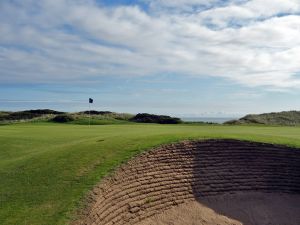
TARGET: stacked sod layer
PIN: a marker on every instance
(173, 174)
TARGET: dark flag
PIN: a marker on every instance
(91, 100)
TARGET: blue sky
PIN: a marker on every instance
(177, 57)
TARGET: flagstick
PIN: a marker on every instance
(89, 114)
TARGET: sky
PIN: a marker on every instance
(213, 58)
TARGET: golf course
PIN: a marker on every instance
(149, 112)
(47, 170)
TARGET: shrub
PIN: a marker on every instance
(43, 111)
(64, 118)
(27, 114)
(94, 112)
(151, 118)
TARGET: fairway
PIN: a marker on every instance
(46, 169)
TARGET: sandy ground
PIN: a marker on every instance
(243, 208)
(229, 177)
(191, 213)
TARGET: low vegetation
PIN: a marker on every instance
(92, 117)
(94, 112)
(27, 114)
(150, 118)
(64, 118)
(289, 118)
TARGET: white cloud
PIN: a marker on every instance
(182, 4)
(50, 41)
(240, 14)
(188, 5)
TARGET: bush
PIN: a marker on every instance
(43, 111)
(27, 114)
(63, 118)
(94, 112)
(150, 118)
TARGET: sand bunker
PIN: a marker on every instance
(241, 208)
(202, 182)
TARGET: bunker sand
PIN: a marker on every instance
(243, 208)
(201, 182)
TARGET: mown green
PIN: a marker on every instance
(46, 169)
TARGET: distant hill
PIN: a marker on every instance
(286, 118)
(85, 117)
(48, 115)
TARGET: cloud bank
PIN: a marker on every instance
(254, 43)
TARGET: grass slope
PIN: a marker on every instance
(81, 118)
(45, 169)
(288, 118)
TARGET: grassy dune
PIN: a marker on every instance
(289, 118)
(45, 169)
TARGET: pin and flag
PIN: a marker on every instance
(90, 101)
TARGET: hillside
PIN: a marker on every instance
(286, 118)
(85, 117)
(26, 115)
(48, 115)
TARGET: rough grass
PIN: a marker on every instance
(98, 121)
(46, 115)
(289, 118)
(46, 169)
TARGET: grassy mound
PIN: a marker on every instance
(289, 118)
(100, 118)
(83, 118)
(27, 114)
